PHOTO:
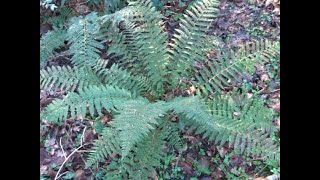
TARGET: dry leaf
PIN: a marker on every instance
(276, 107)
(79, 174)
(269, 2)
(43, 169)
(261, 178)
(264, 77)
(222, 151)
(273, 177)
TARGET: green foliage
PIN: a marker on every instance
(111, 6)
(136, 119)
(92, 98)
(124, 65)
(63, 14)
(82, 39)
(220, 73)
(49, 42)
(191, 41)
(67, 77)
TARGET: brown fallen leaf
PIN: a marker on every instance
(217, 173)
(88, 136)
(278, 122)
(44, 102)
(222, 151)
(264, 77)
(260, 178)
(79, 174)
(43, 169)
(276, 107)
(192, 139)
(51, 173)
(187, 168)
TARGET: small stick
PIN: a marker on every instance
(66, 161)
(64, 154)
(56, 177)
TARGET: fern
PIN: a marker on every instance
(117, 76)
(190, 41)
(49, 42)
(124, 63)
(171, 132)
(59, 20)
(83, 43)
(67, 77)
(220, 128)
(135, 121)
(219, 73)
(111, 6)
(90, 98)
(107, 145)
(141, 162)
(141, 42)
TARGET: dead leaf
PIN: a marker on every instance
(217, 173)
(204, 162)
(273, 177)
(264, 77)
(278, 122)
(222, 151)
(79, 174)
(88, 136)
(43, 169)
(187, 168)
(104, 119)
(276, 106)
(261, 178)
(44, 102)
(268, 2)
(236, 160)
(192, 139)
(51, 173)
(189, 158)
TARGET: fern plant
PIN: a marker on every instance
(136, 88)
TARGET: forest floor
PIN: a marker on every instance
(238, 22)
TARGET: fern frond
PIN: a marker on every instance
(82, 36)
(142, 42)
(117, 76)
(49, 42)
(67, 77)
(219, 73)
(171, 132)
(239, 133)
(64, 14)
(135, 120)
(142, 161)
(191, 41)
(105, 146)
(111, 6)
(89, 98)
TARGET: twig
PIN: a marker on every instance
(177, 162)
(275, 90)
(64, 154)
(62, 174)
(260, 171)
(82, 137)
(66, 159)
